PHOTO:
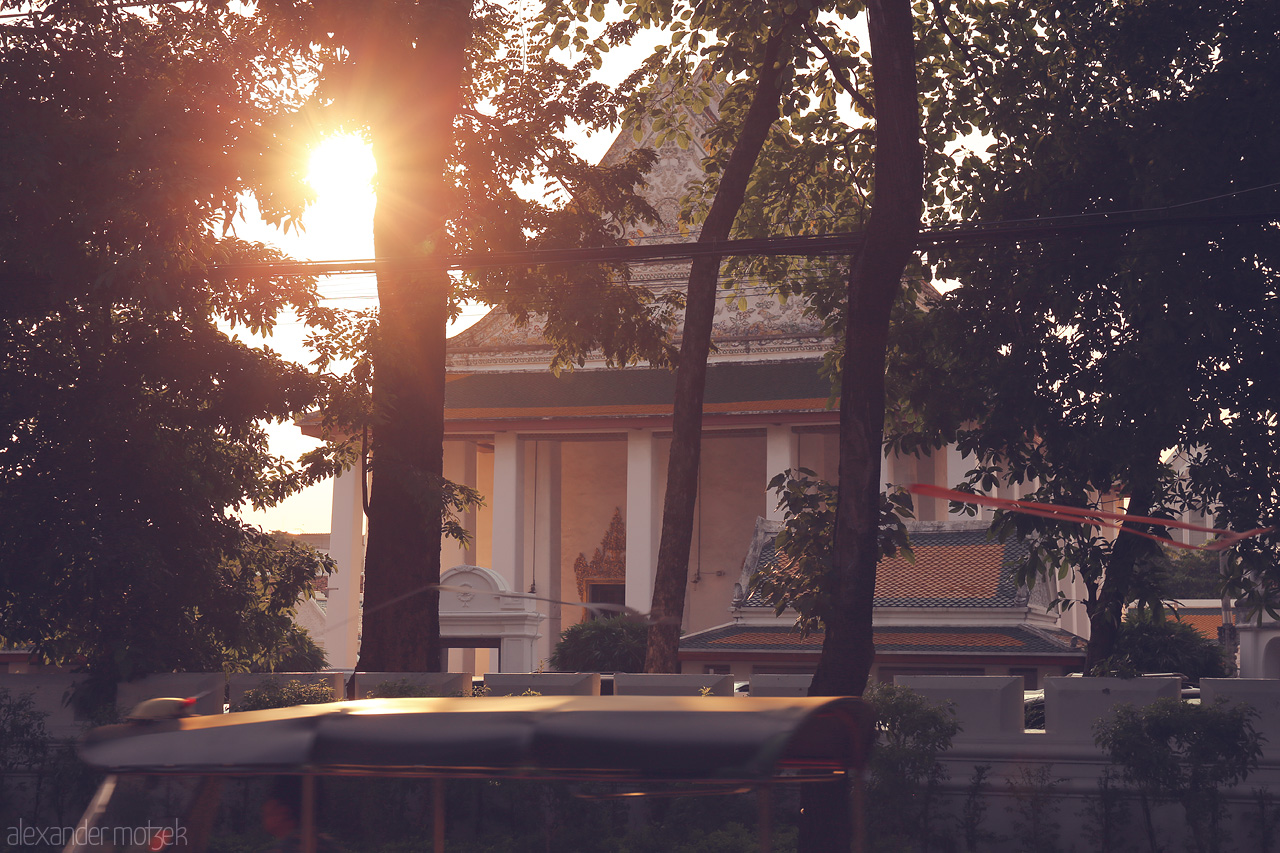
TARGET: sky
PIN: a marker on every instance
(339, 226)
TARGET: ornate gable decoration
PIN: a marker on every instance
(609, 564)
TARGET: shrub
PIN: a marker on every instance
(24, 743)
(905, 773)
(23, 739)
(602, 645)
(403, 688)
(274, 693)
(1035, 809)
(1175, 750)
(295, 651)
(1146, 643)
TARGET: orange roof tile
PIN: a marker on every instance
(978, 639)
(951, 569)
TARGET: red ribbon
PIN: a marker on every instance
(1092, 517)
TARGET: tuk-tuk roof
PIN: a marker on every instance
(571, 737)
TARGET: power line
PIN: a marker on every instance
(692, 232)
(820, 245)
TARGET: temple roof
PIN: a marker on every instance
(1205, 619)
(750, 321)
(952, 568)
(743, 388)
(985, 640)
(758, 326)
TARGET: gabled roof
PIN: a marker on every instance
(1205, 619)
(732, 388)
(751, 322)
(952, 568)
(978, 640)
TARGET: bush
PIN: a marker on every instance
(24, 743)
(1188, 753)
(295, 651)
(274, 693)
(602, 645)
(1149, 644)
(403, 688)
(905, 772)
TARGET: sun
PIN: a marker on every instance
(340, 222)
(342, 166)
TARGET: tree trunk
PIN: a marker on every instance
(412, 129)
(672, 575)
(1118, 578)
(874, 283)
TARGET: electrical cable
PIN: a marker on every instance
(822, 245)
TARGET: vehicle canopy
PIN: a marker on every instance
(635, 745)
(711, 739)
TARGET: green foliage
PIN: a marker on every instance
(24, 743)
(1184, 752)
(974, 811)
(800, 578)
(278, 693)
(601, 645)
(1035, 809)
(813, 174)
(1083, 355)
(517, 105)
(401, 688)
(292, 651)
(1148, 643)
(1191, 574)
(1106, 815)
(265, 573)
(466, 107)
(905, 771)
(132, 419)
(1033, 711)
(1263, 819)
(67, 782)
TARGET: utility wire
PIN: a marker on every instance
(822, 245)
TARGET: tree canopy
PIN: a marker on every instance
(132, 419)
(785, 154)
(461, 106)
(1074, 360)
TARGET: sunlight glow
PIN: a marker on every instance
(342, 166)
(340, 223)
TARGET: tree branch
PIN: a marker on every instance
(543, 157)
(840, 71)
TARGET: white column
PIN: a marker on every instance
(470, 479)
(346, 547)
(460, 467)
(508, 509)
(956, 466)
(643, 516)
(545, 522)
(928, 470)
(782, 451)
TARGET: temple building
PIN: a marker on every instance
(573, 467)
